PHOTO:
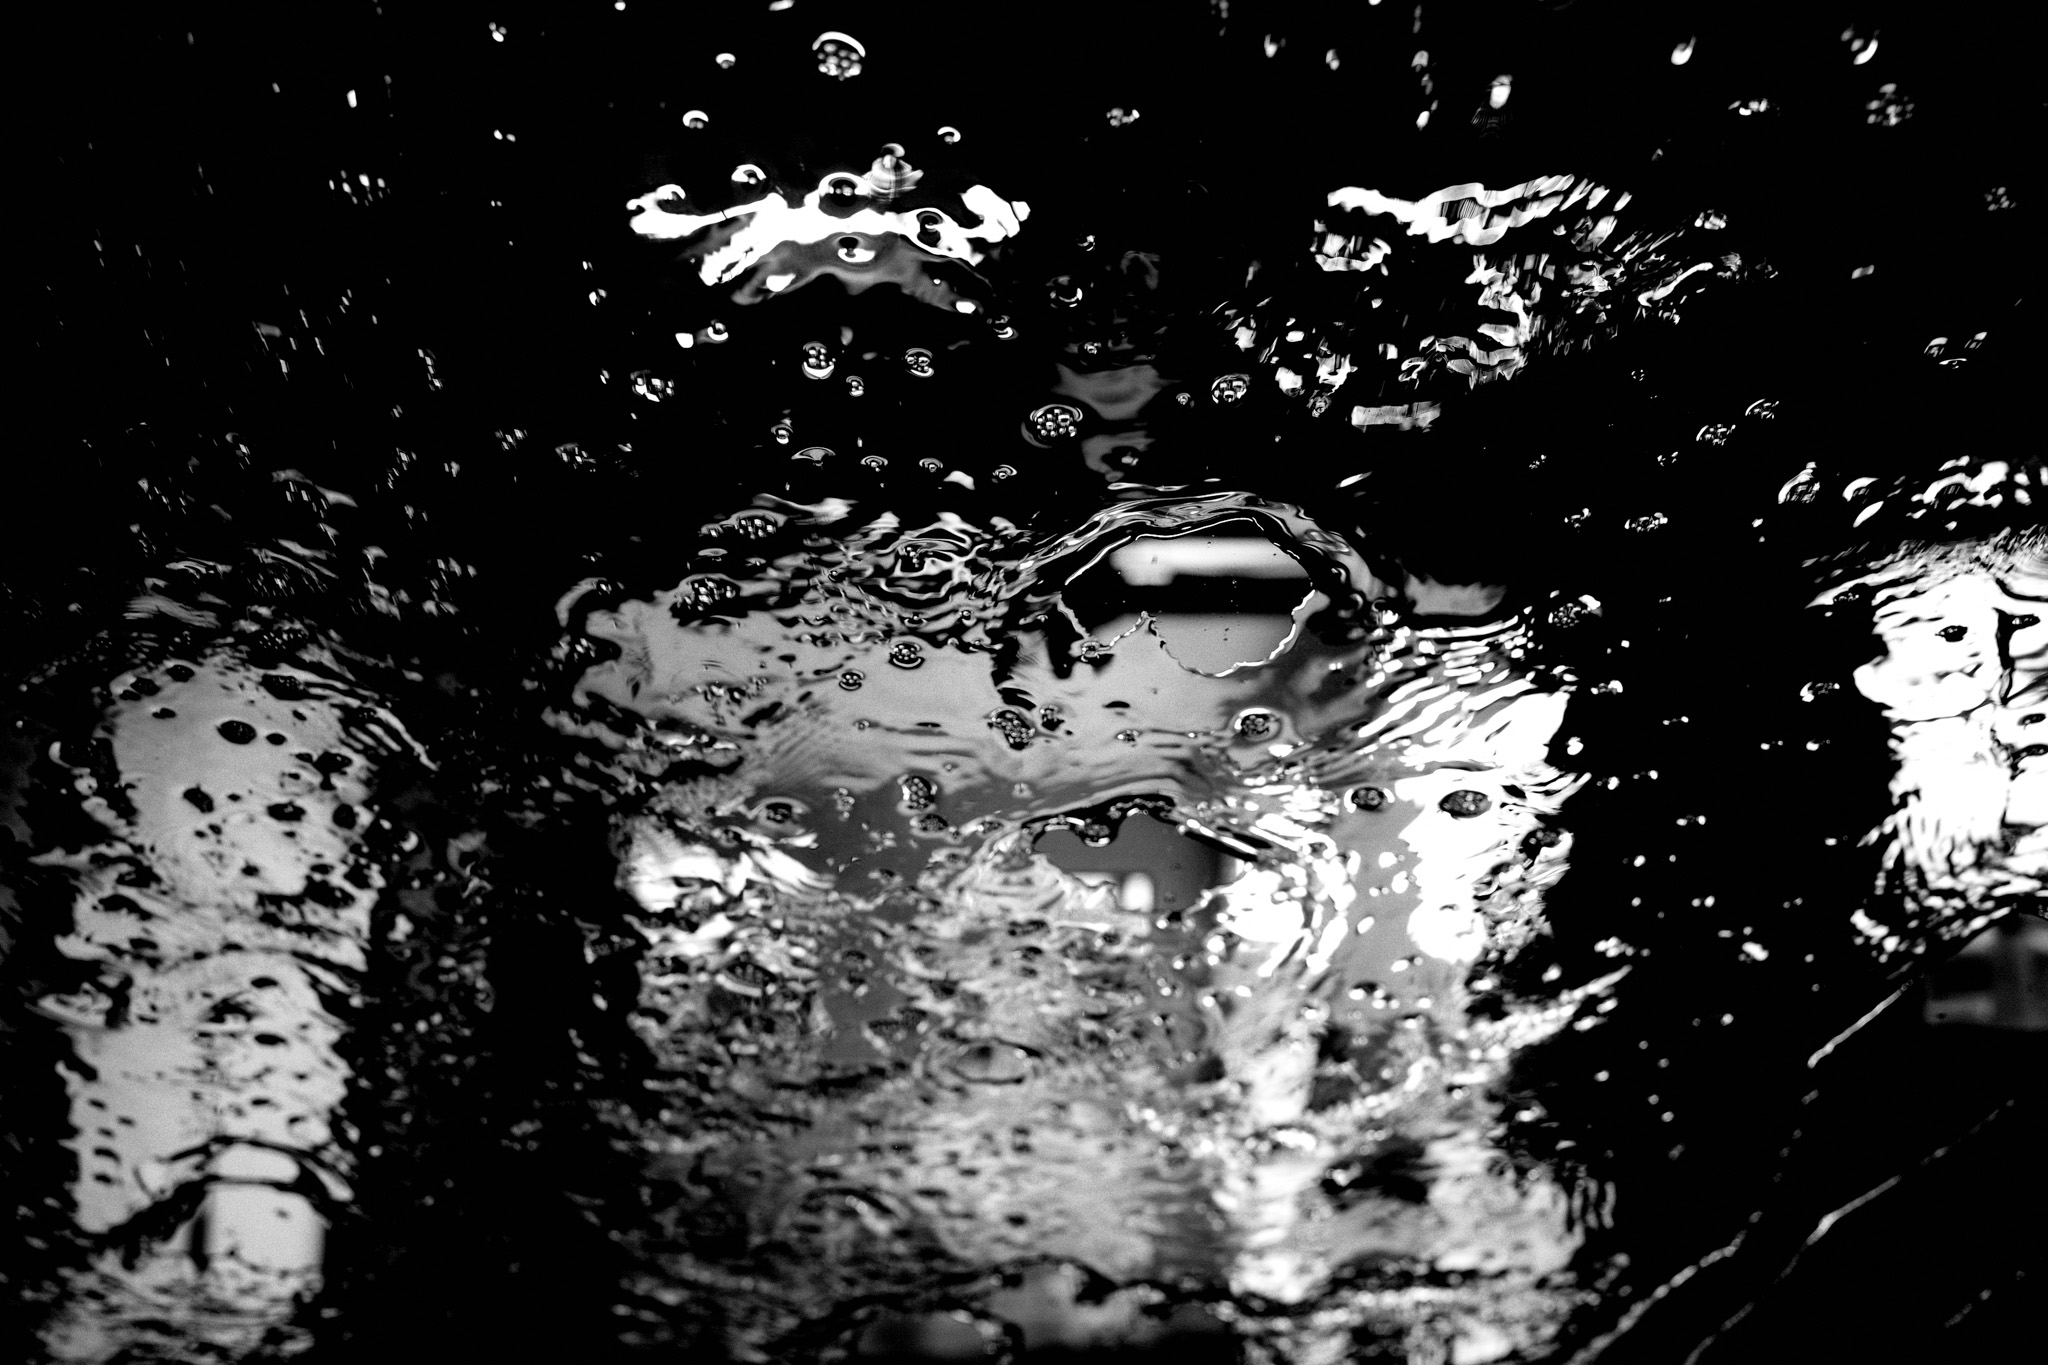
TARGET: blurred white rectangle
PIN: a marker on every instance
(1152, 563)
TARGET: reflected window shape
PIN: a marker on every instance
(1200, 575)
(1216, 602)
(1135, 891)
(1152, 865)
(1155, 561)
(1999, 979)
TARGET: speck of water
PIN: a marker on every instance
(1230, 388)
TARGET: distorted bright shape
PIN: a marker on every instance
(770, 223)
(1498, 210)
(834, 36)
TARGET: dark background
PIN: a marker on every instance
(179, 171)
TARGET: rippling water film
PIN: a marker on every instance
(1235, 682)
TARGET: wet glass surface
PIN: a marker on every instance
(1271, 683)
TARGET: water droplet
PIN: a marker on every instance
(1465, 804)
(855, 250)
(1002, 471)
(748, 174)
(651, 386)
(839, 55)
(855, 386)
(851, 680)
(725, 61)
(874, 462)
(1229, 388)
(918, 361)
(817, 360)
(813, 454)
(993, 1064)
(781, 431)
(696, 118)
(710, 590)
(1065, 293)
(1054, 422)
(1368, 798)
(906, 654)
(237, 731)
(1127, 736)
(1015, 730)
(919, 793)
(716, 332)
(930, 465)
(1257, 724)
(949, 134)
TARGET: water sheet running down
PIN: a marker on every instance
(922, 1027)
(1963, 680)
(220, 914)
